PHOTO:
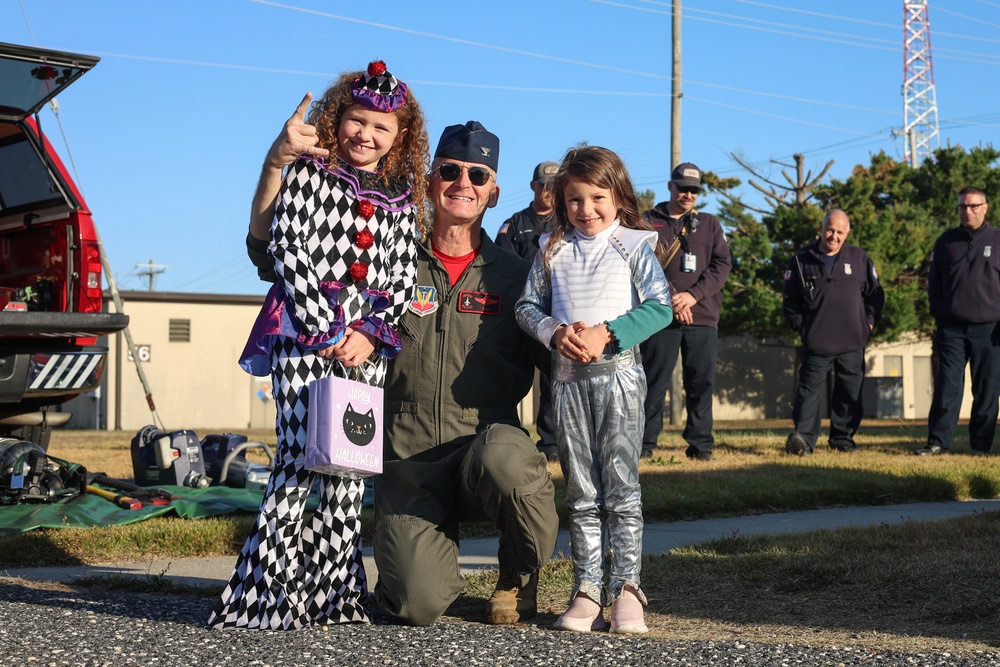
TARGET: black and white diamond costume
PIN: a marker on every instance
(299, 568)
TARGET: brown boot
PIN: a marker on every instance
(511, 603)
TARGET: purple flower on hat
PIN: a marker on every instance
(379, 90)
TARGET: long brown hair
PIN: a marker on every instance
(407, 161)
(604, 169)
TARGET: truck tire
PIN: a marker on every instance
(37, 433)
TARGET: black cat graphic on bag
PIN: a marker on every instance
(359, 428)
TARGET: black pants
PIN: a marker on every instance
(958, 345)
(846, 409)
(543, 420)
(698, 348)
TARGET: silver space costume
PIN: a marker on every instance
(598, 407)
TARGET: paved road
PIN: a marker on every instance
(41, 626)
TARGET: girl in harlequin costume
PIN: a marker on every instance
(343, 247)
(596, 290)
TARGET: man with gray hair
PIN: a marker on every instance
(833, 300)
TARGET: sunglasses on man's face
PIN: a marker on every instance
(688, 189)
(478, 176)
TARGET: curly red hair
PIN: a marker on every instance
(408, 159)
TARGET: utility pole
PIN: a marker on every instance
(920, 113)
(151, 271)
(675, 88)
(676, 379)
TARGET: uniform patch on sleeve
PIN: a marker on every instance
(788, 274)
(424, 301)
(481, 303)
(503, 228)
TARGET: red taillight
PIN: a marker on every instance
(90, 278)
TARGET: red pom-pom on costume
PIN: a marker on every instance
(376, 68)
(366, 208)
(358, 271)
(364, 239)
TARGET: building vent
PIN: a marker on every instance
(180, 331)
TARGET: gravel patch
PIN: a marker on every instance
(48, 627)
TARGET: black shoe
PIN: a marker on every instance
(646, 454)
(696, 454)
(551, 452)
(931, 450)
(845, 447)
(979, 452)
(797, 445)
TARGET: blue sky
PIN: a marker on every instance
(169, 130)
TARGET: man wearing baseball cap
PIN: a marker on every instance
(697, 267)
(454, 450)
(519, 234)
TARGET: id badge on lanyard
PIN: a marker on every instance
(689, 263)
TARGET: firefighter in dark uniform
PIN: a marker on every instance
(964, 291)
(698, 265)
(833, 300)
(519, 234)
(453, 445)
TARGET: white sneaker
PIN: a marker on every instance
(627, 615)
(583, 615)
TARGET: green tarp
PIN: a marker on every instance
(89, 510)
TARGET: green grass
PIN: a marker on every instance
(912, 587)
(751, 474)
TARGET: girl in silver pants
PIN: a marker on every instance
(598, 420)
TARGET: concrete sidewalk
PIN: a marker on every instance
(479, 554)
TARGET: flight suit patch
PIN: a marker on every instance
(424, 301)
(481, 303)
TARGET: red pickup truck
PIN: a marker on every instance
(50, 264)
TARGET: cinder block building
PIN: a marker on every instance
(189, 345)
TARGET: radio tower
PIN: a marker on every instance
(920, 114)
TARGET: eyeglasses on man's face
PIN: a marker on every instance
(449, 171)
(971, 207)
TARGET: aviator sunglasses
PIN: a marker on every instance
(450, 171)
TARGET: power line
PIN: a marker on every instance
(789, 97)
(963, 16)
(891, 26)
(771, 115)
(458, 41)
(812, 37)
(748, 27)
(560, 91)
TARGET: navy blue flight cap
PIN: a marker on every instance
(470, 143)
